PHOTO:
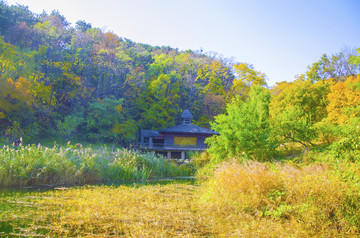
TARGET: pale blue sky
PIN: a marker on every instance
(279, 37)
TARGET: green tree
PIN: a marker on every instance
(244, 128)
(102, 118)
(16, 24)
(126, 131)
(68, 127)
(339, 66)
(293, 126)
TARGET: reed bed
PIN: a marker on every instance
(39, 165)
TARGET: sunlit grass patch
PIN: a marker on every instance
(312, 199)
(149, 211)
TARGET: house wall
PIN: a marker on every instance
(169, 138)
(201, 139)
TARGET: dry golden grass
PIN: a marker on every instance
(144, 212)
(284, 199)
(156, 211)
(241, 200)
(151, 211)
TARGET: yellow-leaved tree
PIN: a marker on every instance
(246, 77)
(297, 107)
(344, 100)
(344, 112)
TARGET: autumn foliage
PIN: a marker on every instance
(285, 161)
(81, 83)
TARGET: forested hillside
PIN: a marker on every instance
(78, 82)
(86, 84)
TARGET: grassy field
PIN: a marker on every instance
(311, 195)
(248, 199)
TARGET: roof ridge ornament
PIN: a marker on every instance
(186, 117)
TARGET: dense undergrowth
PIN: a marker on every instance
(39, 165)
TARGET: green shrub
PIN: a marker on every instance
(347, 147)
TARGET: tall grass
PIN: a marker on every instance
(38, 165)
(311, 195)
(248, 199)
(313, 199)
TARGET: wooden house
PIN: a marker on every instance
(174, 141)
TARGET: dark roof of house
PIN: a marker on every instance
(149, 133)
(186, 115)
(188, 128)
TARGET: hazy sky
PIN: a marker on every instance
(278, 37)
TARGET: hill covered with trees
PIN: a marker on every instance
(81, 83)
